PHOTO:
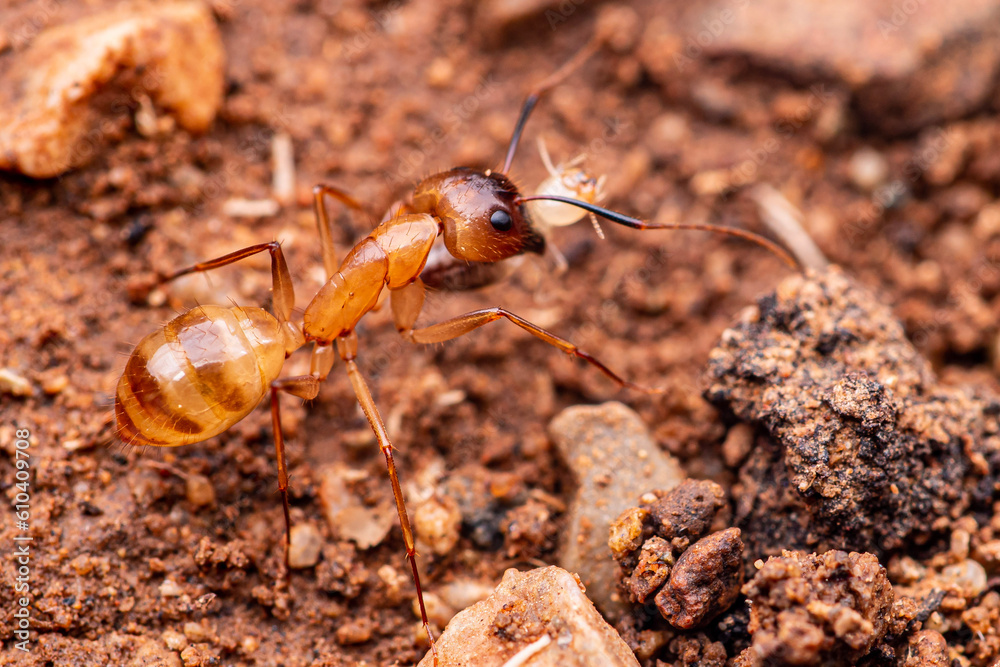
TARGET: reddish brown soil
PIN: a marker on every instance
(362, 99)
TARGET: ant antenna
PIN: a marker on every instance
(636, 223)
(539, 90)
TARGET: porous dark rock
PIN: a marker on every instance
(861, 446)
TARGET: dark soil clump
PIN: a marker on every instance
(869, 450)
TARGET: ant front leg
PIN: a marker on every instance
(407, 309)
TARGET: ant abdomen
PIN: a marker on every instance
(198, 375)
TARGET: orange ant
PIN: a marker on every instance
(208, 368)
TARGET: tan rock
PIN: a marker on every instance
(542, 613)
(47, 124)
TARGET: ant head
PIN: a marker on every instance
(481, 214)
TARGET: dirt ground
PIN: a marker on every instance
(131, 564)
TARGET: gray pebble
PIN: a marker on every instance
(614, 461)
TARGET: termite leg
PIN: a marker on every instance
(463, 324)
(323, 222)
(347, 346)
(303, 386)
(283, 293)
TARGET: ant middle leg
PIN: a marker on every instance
(347, 346)
(408, 308)
(303, 386)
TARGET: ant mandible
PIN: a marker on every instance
(208, 368)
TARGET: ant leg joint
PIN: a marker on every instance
(347, 345)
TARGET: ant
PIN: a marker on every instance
(208, 368)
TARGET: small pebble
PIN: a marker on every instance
(174, 640)
(249, 645)
(960, 540)
(613, 458)
(440, 73)
(868, 169)
(13, 384)
(170, 589)
(737, 445)
(196, 632)
(905, 570)
(195, 656)
(705, 581)
(627, 531)
(76, 444)
(347, 516)
(969, 576)
(82, 565)
(437, 523)
(305, 546)
(394, 580)
(55, 384)
(357, 631)
(449, 398)
(199, 490)
(713, 182)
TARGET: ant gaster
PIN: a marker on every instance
(208, 368)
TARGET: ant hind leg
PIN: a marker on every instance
(303, 386)
(283, 293)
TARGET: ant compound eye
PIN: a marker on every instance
(501, 220)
